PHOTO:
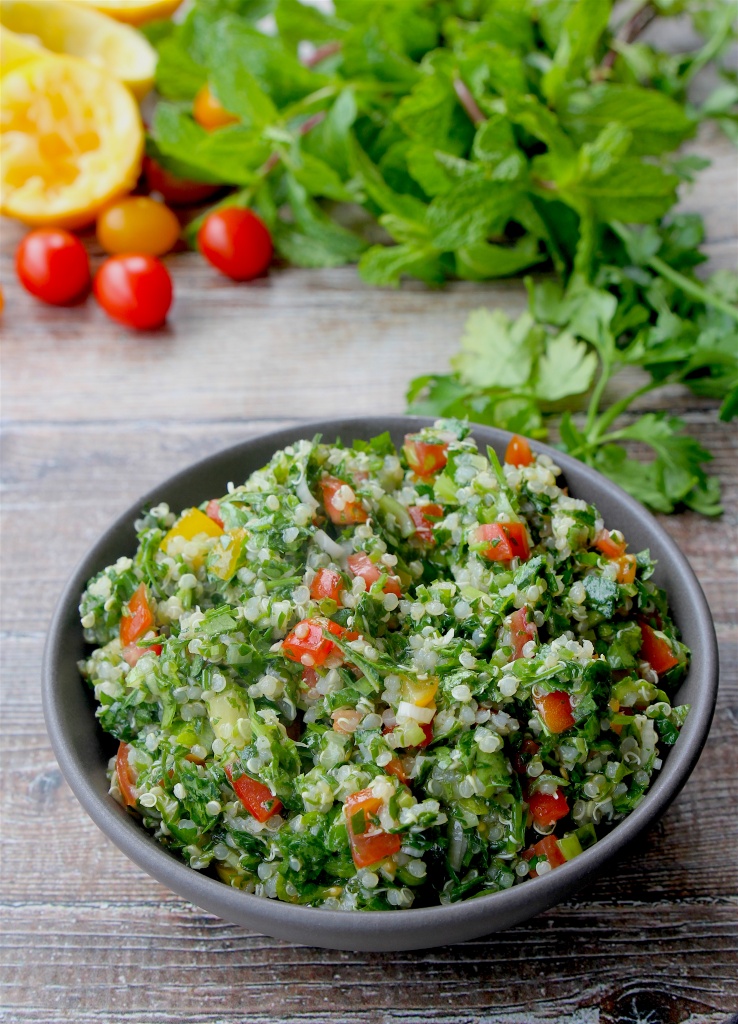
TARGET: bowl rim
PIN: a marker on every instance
(414, 927)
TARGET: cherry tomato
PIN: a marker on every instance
(236, 242)
(175, 191)
(52, 264)
(135, 289)
(137, 224)
(209, 112)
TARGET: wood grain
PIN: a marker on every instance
(92, 418)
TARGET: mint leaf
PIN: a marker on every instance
(657, 123)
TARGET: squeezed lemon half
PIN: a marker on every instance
(71, 139)
(30, 29)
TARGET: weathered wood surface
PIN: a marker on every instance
(93, 417)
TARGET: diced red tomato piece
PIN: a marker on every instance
(518, 451)
(521, 632)
(548, 847)
(656, 650)
(307, 645)
(309, 677)
(126, 776)
(424, 459)
(254, 795)
(338, 630)
(212, 510)
(501, 542)
(361, 564)
(394, 767)
(547, 808)
(425, 517)
(555, 710)
(427, 728)
(137, 619)
(327, 584)
(340, 511)
(369, 842)
(609, 547)
(132, 653)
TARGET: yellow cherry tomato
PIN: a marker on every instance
(209, 112)
(137, 224)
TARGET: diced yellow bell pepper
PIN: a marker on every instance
(190, 525)
(222, 560)
(419, 692)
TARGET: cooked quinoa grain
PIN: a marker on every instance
(368, 679)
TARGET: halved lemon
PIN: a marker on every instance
(74, 30)
(71, 139)
(135, 12)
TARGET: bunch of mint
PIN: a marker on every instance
(478, 139)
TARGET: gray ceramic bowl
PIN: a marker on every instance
(82, 749)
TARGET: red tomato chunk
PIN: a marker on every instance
(521, 632)
(548, 847)
(212, 511)
(126, 776)
(327, 584)
(424, 459)
(609, 547)
(425, 517)
(547, 808)
(361, 565)
(369, 842)
(656, 650)
(137, 619)
(307, 644)
(501, 542)
(254, 795)
(555, 710)
(339, 510)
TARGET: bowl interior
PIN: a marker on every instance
(82, 748)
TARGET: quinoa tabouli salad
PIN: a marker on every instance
(370, 679)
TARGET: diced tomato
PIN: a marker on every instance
(528, 748)
(213, 512)
(126, 776)
(327, 584)
(521, 632)
(555, 710)
(547, 808)
(425, 517)
(254, 795)
(307, 645)
(338, 630)
(609, 547)
(518, 451)
(361, 564)
(656, 650)
(427, 728)
(501, 542)
(394, 767)
(369, 842)
(627, 566)
(309, 677)
(424, 459)
(548, 847)
(137, 619)
(340, 511)
(132, 653)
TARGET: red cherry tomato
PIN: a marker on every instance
(175, 191)
(236, 242)
(52, 265)
(135, 289)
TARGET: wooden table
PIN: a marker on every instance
(93, 417)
